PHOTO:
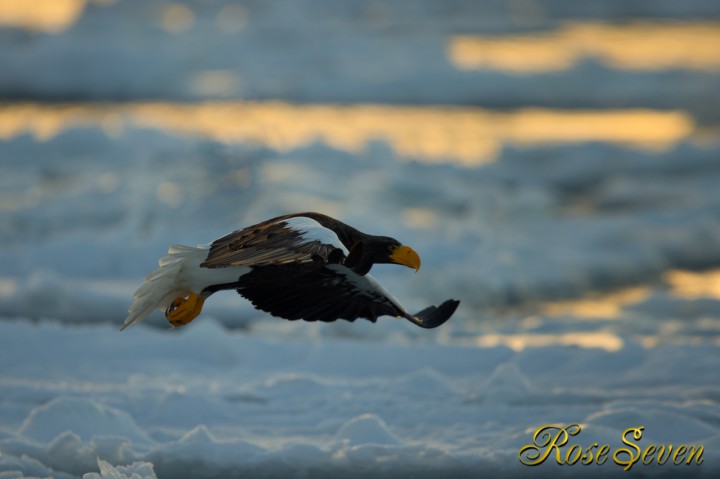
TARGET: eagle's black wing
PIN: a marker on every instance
(315, 292)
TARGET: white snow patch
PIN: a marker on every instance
(136, 470)
(84, 417)
(367, 429)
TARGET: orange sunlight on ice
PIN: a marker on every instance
(434, 134)
(694, 284)
(597, 306)
(50, 16)
(177, 18)
(518, 342)
(636, 46)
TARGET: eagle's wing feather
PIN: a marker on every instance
(329, 292)
(315, 293)
(289, 240)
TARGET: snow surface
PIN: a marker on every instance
(565, 257)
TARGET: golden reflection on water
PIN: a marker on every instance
(636, 46)
(597, 306)
(694, 284)
(457, 134)
(177, 18)
(639, 45)
(518, 342)
(50, 16)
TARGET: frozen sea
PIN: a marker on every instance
(565, 191)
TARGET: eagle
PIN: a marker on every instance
(306, 266)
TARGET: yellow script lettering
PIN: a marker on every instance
(679, 455)
(602, 454)
(545, 440)
(647, 456)
(662, 457)
(692, 450)
(631, 458)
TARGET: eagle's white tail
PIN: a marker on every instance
(165, 283)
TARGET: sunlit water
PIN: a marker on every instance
(437, 134)
(637, 46)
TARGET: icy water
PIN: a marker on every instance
(556, 167)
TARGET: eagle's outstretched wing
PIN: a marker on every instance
(283, 241)
(329, 292)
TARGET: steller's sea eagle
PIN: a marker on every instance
(299, 266)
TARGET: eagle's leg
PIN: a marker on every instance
(184, 309)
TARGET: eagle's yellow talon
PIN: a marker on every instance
(184, 309)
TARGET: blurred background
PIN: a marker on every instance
(556, 164)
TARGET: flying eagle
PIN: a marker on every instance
(300, 266)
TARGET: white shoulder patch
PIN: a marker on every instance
(311, 230)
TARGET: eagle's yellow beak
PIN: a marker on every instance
(405, 256)
(184, 309)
